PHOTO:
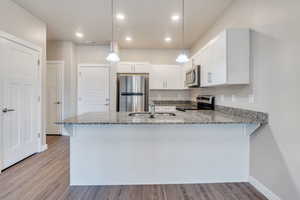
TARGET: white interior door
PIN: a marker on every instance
(54, 96)
(19, 101)
(93, 89)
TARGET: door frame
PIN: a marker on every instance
(40, 118)
(82, 65)
(62, 88)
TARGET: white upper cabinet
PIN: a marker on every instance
(167, 77)
(134, 68)
(225, 59)
(142, 68)
(125, 68)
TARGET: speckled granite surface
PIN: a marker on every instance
(188, 117)
(254, 115)
(171, 103)
(178, 104)
(260, 117)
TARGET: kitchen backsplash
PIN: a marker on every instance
(184, 95)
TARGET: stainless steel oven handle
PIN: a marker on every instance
(6, 110)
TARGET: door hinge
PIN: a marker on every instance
(39, 99)
(39, 62)
(39, 135)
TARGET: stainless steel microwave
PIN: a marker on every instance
(192, 77)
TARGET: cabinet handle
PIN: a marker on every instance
(5, 110)
(209, 77)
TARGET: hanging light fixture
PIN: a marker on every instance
(112, 56)
(182, 58)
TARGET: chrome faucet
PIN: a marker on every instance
(152, 110)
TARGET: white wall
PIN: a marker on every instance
(275, 71)
(20, 23)
(154, 56)
(62, 50)
(65, 51)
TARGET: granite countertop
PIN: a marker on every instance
(188, 117)
(176, 103)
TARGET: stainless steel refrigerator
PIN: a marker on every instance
(132, 92)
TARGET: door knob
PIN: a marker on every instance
(5, 110)
(57, 102)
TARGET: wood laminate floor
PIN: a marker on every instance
(46, 176)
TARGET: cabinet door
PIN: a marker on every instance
(168, 77)
(205, 65)
(218, 62)
(173, 75)
(158, 78)
(125, 68)
(142, 68)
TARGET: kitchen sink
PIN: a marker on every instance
(151, 115)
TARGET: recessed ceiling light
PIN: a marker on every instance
(168, 39)
(128, 38)
(175, 18)
(79, 35)
(120, 16)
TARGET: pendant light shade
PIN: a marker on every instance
(112, 57)
(182, 58)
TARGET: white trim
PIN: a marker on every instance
(91, 65)
(20, 41)
(134, 63)
(62, 76)
(43, 148)
(40, 103)
(38, 49)
(263, 189)
(55, 62)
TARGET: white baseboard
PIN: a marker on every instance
(263, 189)
(43, 148)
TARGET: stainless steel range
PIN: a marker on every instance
(204, 102)
(132, 92)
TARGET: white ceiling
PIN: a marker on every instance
(147, 21)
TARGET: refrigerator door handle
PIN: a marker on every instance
(131, 94)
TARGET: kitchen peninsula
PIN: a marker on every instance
(191, 147)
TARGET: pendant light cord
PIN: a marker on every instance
(112, 25)
(183, 25)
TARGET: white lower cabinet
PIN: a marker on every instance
(166, 77)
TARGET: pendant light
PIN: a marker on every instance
(182, 58)
(112, 56)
